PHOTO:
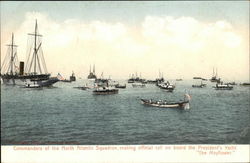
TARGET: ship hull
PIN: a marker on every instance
(24, 81)
(105, 92)
(180, 105)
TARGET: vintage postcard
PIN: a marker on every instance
(125, 81)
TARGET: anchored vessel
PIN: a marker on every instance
(222, 86)
(62, 79)
(92, 75)
(136, 79)
(36, 70)
(183, 104)
(35, 73)
(166, 86)
(72, 77)
(214, 77)
(102, 87)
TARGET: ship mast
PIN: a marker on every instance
(35, 58)
(12, 57)
(35, 50)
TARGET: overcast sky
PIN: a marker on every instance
(182, 39)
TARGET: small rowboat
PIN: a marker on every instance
(184, 104)
(163, 104)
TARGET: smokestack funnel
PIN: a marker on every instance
(21, 68)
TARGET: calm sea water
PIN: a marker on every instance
(65, 115)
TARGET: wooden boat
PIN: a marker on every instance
(164, 104)
(183, 104)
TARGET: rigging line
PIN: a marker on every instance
(29, 53)
(31, 62)
(5, 58)
(9, 67)
(39, 66)
(29, 47)
(3, 67)
(4, 62)
(37, 53)
(15, 60)
(15, 55)
(44, 64)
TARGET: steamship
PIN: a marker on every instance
(214, 77)
(34, 73)
(92, 75)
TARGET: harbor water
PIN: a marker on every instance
(66, 115)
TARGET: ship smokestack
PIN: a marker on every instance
(21, 68)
